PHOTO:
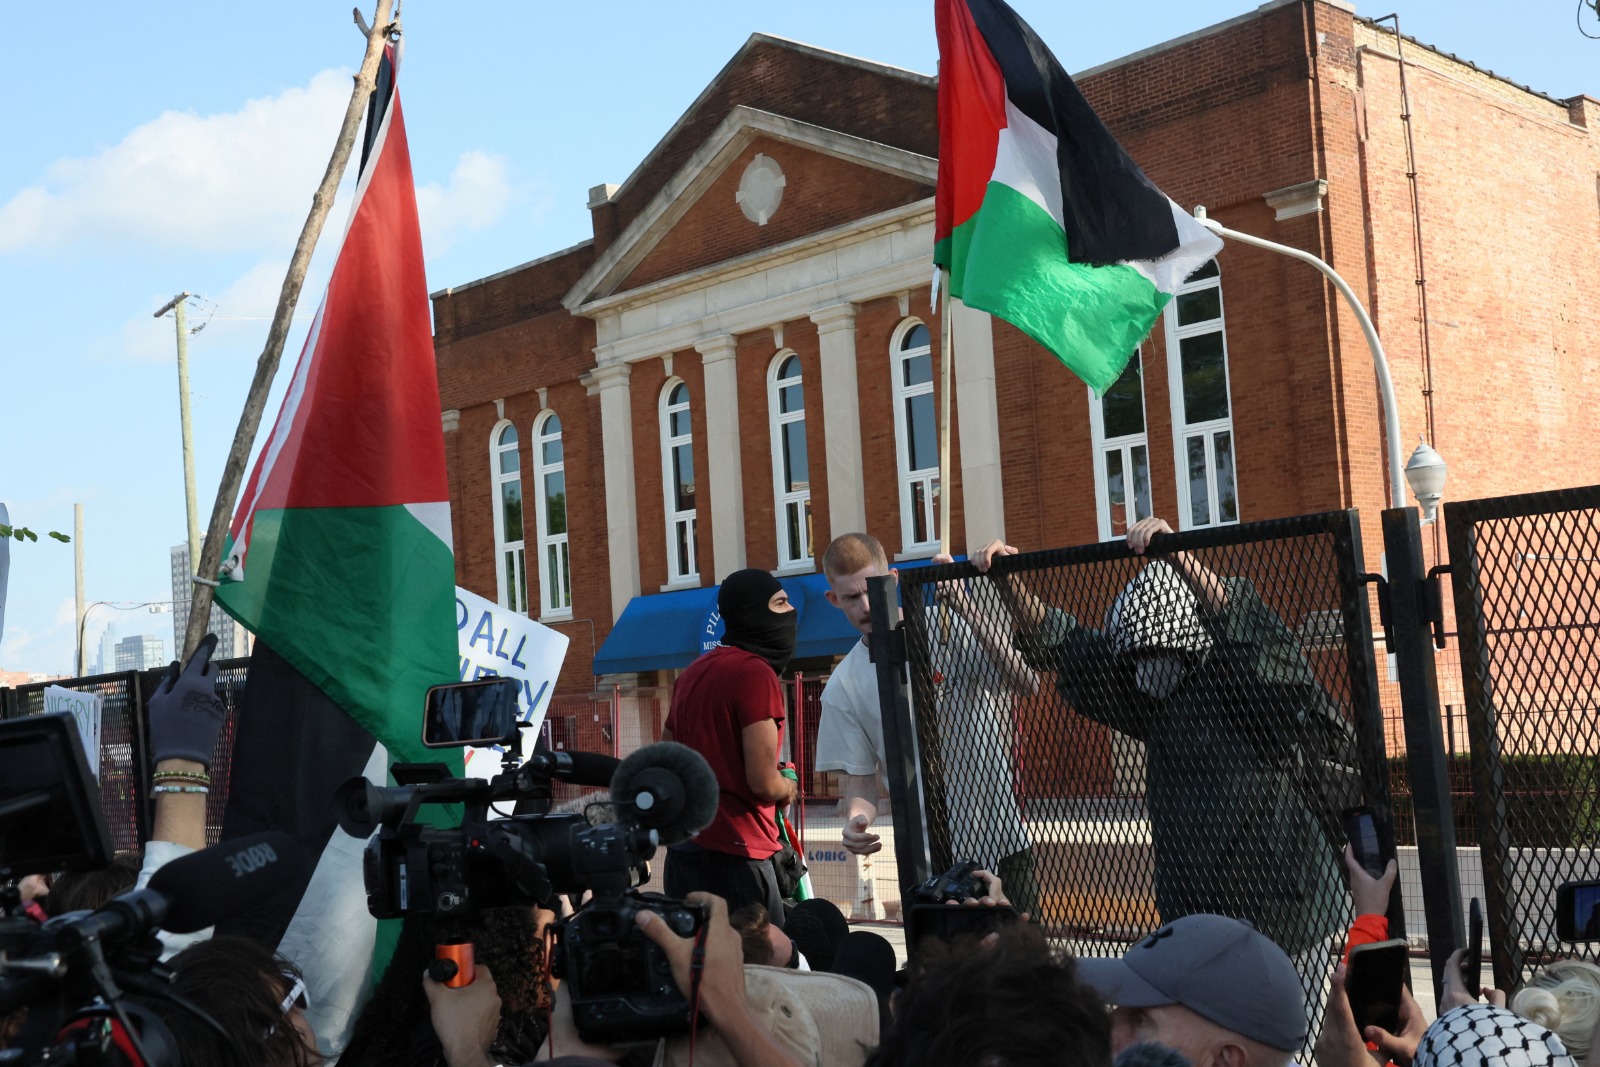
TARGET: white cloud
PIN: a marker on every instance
(214, 182)
(476, 197)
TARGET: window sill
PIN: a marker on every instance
(556, 616)
(805, 567)
(927, 552)
(691, 582)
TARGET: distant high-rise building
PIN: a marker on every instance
(106, 659)
(140, 652)
(232, 639)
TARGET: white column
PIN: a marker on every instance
(722, 452)
(978, 425)
(622, 515)
(841, 415)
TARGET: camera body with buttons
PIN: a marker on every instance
(620, 981)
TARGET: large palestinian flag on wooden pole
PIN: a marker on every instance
(340, 561)
(1042, 218)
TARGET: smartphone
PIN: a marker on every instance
(1361, 830)
(1472, 962)
(947, 921)
(1578, 911)
(483, 712)
(1375, 976)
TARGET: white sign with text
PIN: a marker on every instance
(85, 711)
(495, 641)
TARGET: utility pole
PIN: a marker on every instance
(175, 305)
(77, 566)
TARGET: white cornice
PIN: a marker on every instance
(732, 135)
(839, 238)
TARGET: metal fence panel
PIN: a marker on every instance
(1133, 739)
(1525, 570)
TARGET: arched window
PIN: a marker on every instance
(916, 435)
(677, 473)
(550, 473)
(511, 569)
(1202, 411)
(791, 472)
(1121, 452)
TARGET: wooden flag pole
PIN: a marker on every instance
(267, 365)
(944, 412)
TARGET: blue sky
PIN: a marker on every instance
(176, 147)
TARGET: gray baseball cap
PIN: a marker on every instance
(1221, 969)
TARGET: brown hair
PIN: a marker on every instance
(853, 552)
(88, 890)
(752, 923)
(1011, 1003)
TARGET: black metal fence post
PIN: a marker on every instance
(886, 644)
(1425, 754)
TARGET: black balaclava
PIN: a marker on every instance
(750, 624)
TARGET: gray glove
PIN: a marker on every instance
(185, 713)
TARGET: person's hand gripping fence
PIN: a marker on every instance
(185, 712)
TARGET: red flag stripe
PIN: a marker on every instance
(972, 112)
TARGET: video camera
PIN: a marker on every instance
(73, 971)
(621, 983)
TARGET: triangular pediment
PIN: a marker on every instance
(845, 177)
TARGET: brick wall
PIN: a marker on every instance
(1508, 187)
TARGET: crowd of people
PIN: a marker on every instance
(778, 982)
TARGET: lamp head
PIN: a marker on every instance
(1425, 473)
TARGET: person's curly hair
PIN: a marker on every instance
(1009, 1003)
(394, 1027)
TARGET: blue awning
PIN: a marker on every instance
(664, 631)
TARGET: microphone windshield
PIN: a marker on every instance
(670, 788)
(217, 883)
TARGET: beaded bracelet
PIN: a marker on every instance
(181, 777)
(180, 789)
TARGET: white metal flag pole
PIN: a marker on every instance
(944, 417)
(1380, 362)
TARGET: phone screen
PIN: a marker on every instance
(1375, 977)
(1578, 911)
(1361, 829)
(470, 713)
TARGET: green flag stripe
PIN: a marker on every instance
(1010, 259)
(361, 601)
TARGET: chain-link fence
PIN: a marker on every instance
(1525, 570)
(123, 779)
(1129, 739)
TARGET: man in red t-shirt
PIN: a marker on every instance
(729, 708)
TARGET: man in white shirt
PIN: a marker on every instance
(976, 676)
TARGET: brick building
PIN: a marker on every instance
(742, 361)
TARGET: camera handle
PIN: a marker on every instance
(453, 964)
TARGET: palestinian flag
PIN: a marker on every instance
(340, 561)
(1042, 218)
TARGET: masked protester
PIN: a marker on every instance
(728, 706)
(1213, 683)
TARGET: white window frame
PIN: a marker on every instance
(785, 500)
(508, 597)
(555, 591)
(1209, 429)
(1126, 443)
(908, 479)
(675, 518)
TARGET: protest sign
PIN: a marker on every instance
(85, 711)
(495, 641)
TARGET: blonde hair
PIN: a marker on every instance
(854, 552)
(1563, 996)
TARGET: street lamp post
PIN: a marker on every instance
(155, 606)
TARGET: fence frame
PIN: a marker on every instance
(1461, 520)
